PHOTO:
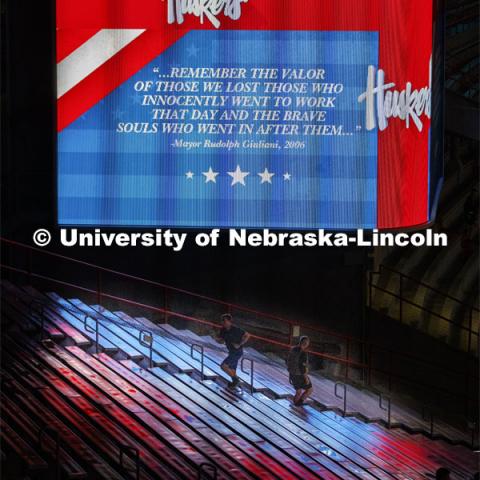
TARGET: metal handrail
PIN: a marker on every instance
(426, 285)
(252, 371)
(203, 470)
(88, 328)
(387, 409)
(130, 302)
(34, 302)
(40, 314)
(216, 326)
(425, 409)
(189, 318)
(199, 348)
(333, 358)
(425, 309)
(56, 437)
(344, 398)
(473, 427)
(317, 329)
(166, 312)
(145, 338)
(134, 454)
(230, 306)
(469, 330)
(336, 359)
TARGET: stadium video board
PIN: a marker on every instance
(247, 113)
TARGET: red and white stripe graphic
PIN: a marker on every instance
(91, 55)
(91, 63)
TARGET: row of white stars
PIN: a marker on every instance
(238, 176)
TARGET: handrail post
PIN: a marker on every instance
(400, 294)
(42, 323)
(56, 437)
(203, 471)
(370, 364)
(251, 371)
(467, 388)
(99, 286)
(126, 450)
(344, 387)
(201, 351)
(29, 266)
(472, 426)
(145, 338)
(347, 366)
(432, 420)
(88, 328)
(165, 304)
(387, 409)
(370, 288)
(470, 331)
(390, 367)
(41, 314)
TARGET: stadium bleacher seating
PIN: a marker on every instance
(452, 271)
(91, 393)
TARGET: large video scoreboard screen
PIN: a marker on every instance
(246, 113)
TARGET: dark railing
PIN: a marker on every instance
(428, 415)
(342, 396)
(251, 373)
(38, 313)
(145, 338)
(387, 408)
(468, 329)
(207, 471)
(88, 328)
(132, 452)
(199, 348)
(374, 362)
(56, 438)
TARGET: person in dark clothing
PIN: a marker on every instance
(234, 339)
(442, 474)
(297, 364)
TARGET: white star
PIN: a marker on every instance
(210, 176)
(118, 114)
(189, 175)
(287, 177)
(266, 176)
(238, 176)
(137, 98)
(192, 50)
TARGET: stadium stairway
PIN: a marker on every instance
(133, 399)
(175, 347)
